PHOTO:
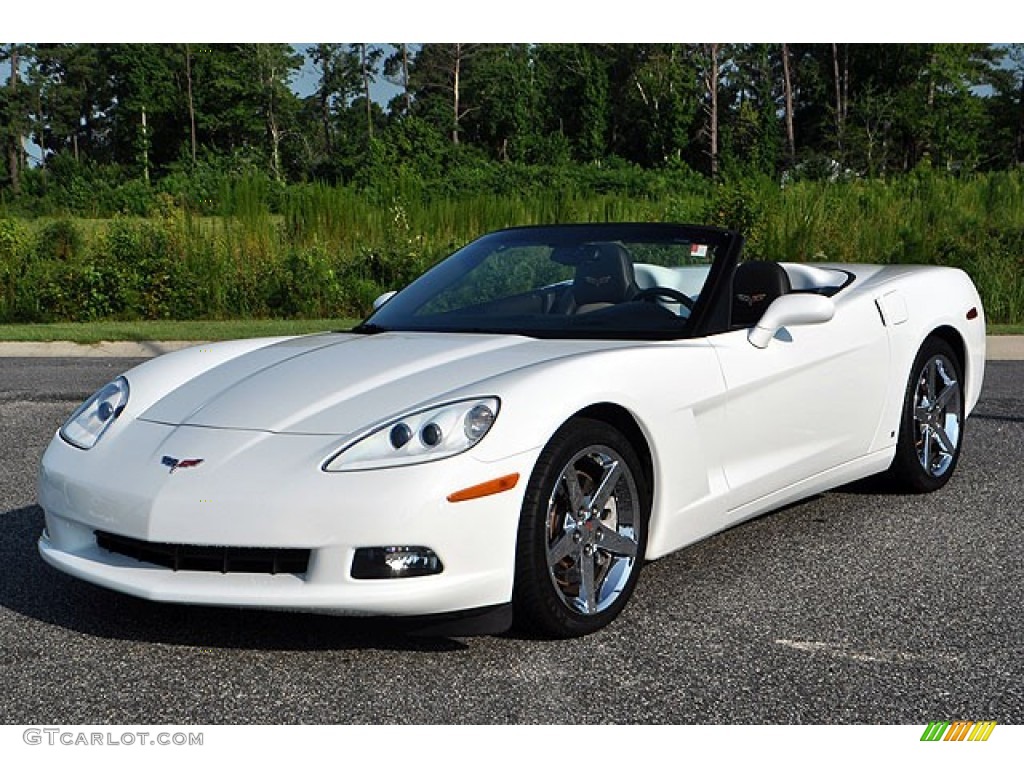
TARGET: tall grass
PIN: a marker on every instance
(315, 251)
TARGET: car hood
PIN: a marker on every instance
(336, 384)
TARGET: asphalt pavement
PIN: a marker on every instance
(856, 606)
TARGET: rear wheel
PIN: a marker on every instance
(582, 532)
(932, 426)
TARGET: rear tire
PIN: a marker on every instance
(932, 425)
(582, 532)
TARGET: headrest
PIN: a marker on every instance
(604, 275)
(755, 285)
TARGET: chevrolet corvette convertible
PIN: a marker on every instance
(512, 435)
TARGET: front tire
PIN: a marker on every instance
(932, 425)
(582, 532)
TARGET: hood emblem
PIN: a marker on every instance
(173, 463)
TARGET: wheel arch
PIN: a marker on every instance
(972, 371)
(951, 336)
(625, 422)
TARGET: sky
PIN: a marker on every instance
(305, 82)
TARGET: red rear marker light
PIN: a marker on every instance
(972, 313)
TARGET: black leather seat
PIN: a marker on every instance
(755, 285)
(604, 276)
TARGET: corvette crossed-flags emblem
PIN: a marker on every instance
(173, 463)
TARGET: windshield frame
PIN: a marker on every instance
(709, 314)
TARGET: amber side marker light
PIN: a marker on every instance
(491, 487)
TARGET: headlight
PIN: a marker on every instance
(93, 417)
(428, 435)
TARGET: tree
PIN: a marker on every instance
(369, 56)
(955, 113)
(653, 100)
(68, 81)
(438, 72)
(143, 106)
(244, 105)
(575, 91)
(190, 99)
(1004, 139)
(751, 132)
(787, 87)
(502, 87)
(338, 82)
(114, 112)
(868, 132)
(14, 112)
(396, 71)
(710, 55)
(841, 83)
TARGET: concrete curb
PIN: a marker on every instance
(102, 349)
(1004, 348)
(998, 348)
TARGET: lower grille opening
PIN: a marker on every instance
(193, 557)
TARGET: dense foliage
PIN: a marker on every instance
(327, 251)
(111, 115)
(192, 180)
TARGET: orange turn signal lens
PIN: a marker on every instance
(491, 487)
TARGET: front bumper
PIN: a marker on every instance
(266, 490)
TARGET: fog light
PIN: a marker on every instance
(395, 562)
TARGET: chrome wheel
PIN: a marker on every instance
(592, 530)
(582, 532)
(932, 425)
(937, 415)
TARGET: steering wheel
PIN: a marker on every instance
(662, 291)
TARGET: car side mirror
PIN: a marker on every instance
(791, 309)
(383, 299)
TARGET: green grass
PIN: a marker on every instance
(325, 251)
(167, 330)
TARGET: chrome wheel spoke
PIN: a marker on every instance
(943, 439)
(572, 487)
(610, 478)
(615, 543)
(588, 584)
(563, 548)
(952, 388)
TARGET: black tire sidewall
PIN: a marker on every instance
(538, 608)
(906, 470)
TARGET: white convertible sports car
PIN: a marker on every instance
(515, 432)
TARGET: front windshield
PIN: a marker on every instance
(611, 280)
